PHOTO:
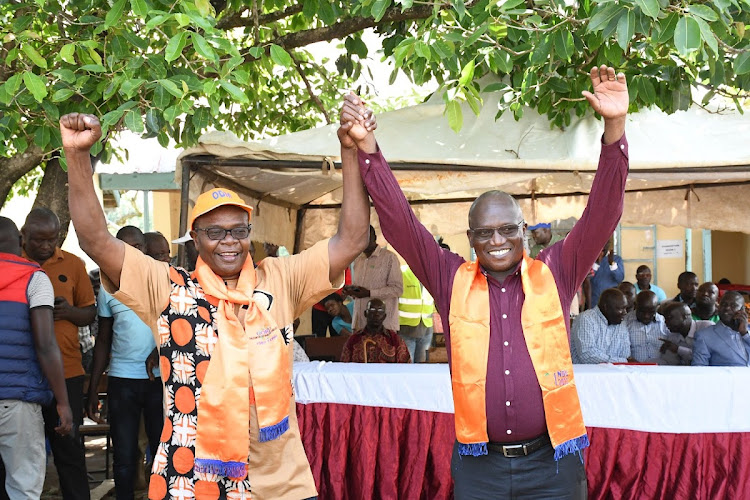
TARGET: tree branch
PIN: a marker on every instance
(313, 96)
(235, 19)
(17, 166)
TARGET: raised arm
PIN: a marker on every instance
(79, 133)
(354, 219)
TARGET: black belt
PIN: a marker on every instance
(520, 449)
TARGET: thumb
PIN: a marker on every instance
(592, 99)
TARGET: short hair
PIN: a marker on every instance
(643, 296)
(9, 237)
(42, 215)
(642, 267)
(608, 295)
(153, 237)
(671, 307)
(686, 275)
(333, 296)
(733, 294)
(129, 232)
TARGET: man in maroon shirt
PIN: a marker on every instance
(515, 414)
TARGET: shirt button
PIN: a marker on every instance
(505, 343)
(367, 161)
(505, 316)
(502, 290)
(622, 146)
(508, 431)
(507, 403)
(507, 372)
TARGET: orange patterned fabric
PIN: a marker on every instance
(544, 328)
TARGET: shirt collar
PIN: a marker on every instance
(57, 256)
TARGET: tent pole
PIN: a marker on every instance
(298, 229)
(184, 206)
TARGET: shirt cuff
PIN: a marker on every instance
(613, 266)
(616, 148)
(595, 267)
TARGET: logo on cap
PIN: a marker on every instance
(221, 194)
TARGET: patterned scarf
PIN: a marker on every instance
(544, 329)
(256, 352)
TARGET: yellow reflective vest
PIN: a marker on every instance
(416, 303)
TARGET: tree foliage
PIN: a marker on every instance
(171, 69)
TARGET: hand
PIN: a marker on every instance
(631, 359)
(61, 312)
(357, 292)
(610, 98)
(271, 249)
(79, 132)
(668, 345)
(66, 420)
(92, 408)
(611, 256)
(152, 362)
(357, 124)
(741, 319)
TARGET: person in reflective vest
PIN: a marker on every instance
(415, 308)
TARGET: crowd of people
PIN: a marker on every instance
(218, 410)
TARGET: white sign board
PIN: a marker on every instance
(670, 249)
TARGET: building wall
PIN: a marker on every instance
(730, 256)
(166, 215)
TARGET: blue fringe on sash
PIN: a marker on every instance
(472, 450)
(274, 431)
(574, 445)
(225, 469)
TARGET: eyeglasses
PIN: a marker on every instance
(219, 233)
(486, 233)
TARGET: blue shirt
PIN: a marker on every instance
(132, 340)
(644, 339)
(661, 295)
(605, 277)
(593, 340)
(338, 323)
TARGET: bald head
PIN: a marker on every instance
(494, 198)
(10, 237)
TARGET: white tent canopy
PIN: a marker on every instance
(689, 169)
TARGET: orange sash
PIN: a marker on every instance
(544, 329)
(257, 351)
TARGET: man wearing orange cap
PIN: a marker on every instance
(224, 331)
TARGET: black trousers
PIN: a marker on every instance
(535, 476)
(67, 450)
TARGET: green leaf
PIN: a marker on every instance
(42, 136)
(175, 46)
(649, 7)
(93, 68)
(172, 88)
(603, 16)
(495, 87)
(379, 8)
(62, 95)
(256, 52)
(202, 47)
(455, 115)
(111, 118)
(625, 28)
(140, 7)
(309, 9)
(115, 13)
(182, 19)
(707, 35)
(704, 12)
(35, 57)
(130, 87)
(13, 83)
(65, 75)
(742, 64)
(666, 28)
(67, 53)
(687, 35)
(234, 91)
(280, 56)
(36, 85)
(564, 47)
(204, 7)
(326, 13)
(134, 122)
(467, 73)
(510, 5)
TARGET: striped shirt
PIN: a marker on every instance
(593, 340)
(644, 339)
(381, 274)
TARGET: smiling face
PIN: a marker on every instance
(613, 306)
(225, 257)
(497, 254)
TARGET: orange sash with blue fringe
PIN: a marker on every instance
(546, 335)
(254, 350)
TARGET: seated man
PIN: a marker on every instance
(727, 342)
(646, 327)
(677, 347)
(687, 282)
(599, 335)
(342, 314)
(375, 344)
(628, 289)
(643, 282)
(706, 300)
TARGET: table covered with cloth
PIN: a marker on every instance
(657, 432)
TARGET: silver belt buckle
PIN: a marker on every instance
(514, 447)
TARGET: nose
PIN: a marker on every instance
(497, 238)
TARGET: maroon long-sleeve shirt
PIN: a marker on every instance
(514, 398)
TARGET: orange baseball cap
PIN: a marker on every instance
(215, 198)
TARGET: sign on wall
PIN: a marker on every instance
(670, 249)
